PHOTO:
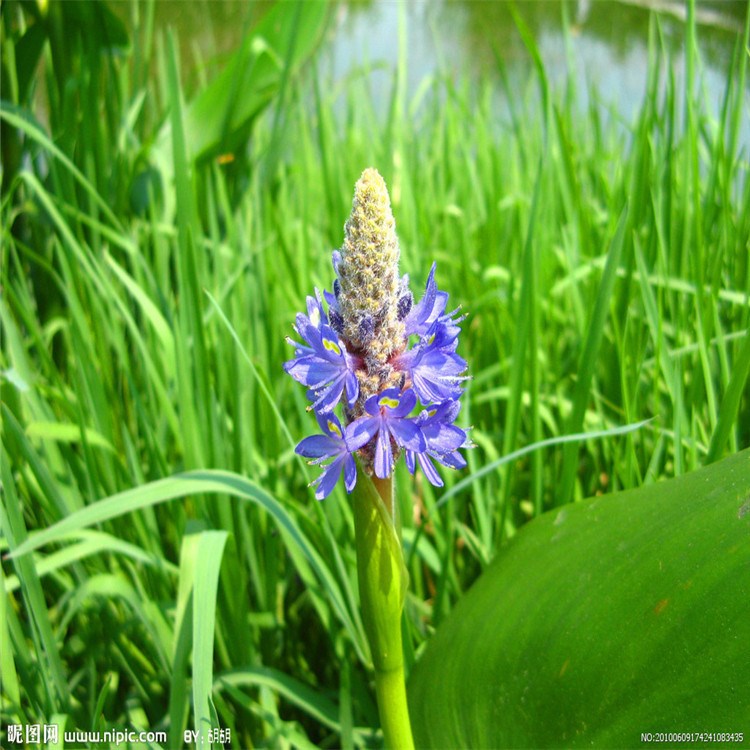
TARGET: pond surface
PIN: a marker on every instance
(607, 44)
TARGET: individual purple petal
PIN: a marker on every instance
(436, 376)
(305, 328)
(421, 313)
(383, 454)
(410, 457)
(441, 413)
(350, 473)
(436, 424)
(361, 431)
(429, 470)
(312, 370)
(452, 460)
(440, 336)
(316, 446)
(326, 398)
(372, 406)
(328, 479)
(406, 402)
(426, 465)
(446, 439)
(406, 432)
(315, 313)
(352, 387)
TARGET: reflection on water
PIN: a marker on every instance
(620, 24)
(607, 44)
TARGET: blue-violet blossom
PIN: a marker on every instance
(380, 357)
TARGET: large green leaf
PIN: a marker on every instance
(601, 620)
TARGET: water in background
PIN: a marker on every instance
(606, 48)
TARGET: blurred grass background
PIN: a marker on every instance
(158, 239)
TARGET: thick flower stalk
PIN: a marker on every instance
(391, 365)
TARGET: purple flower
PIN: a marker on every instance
(433, 366)
(323, 365)
(388, 421)
(430, 310)
(330, 445)
(443, 439)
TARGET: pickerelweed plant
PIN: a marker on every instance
(392, 369)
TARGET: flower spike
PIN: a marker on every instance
(379, 355)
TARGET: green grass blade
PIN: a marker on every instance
(46, 646)
(88, 543)
(8, 675)
(67, 433)
(588, 360)
(523, 347)
(297, 693)
(182, 639)
(207, 565)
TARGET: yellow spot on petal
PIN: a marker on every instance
(391, 402)
(332, 346)
(334, 428)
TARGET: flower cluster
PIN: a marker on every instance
(391, 364)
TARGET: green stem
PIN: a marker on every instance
(385, 490)
(390, 688)
(382, 588)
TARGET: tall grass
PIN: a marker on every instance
(604, 268)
